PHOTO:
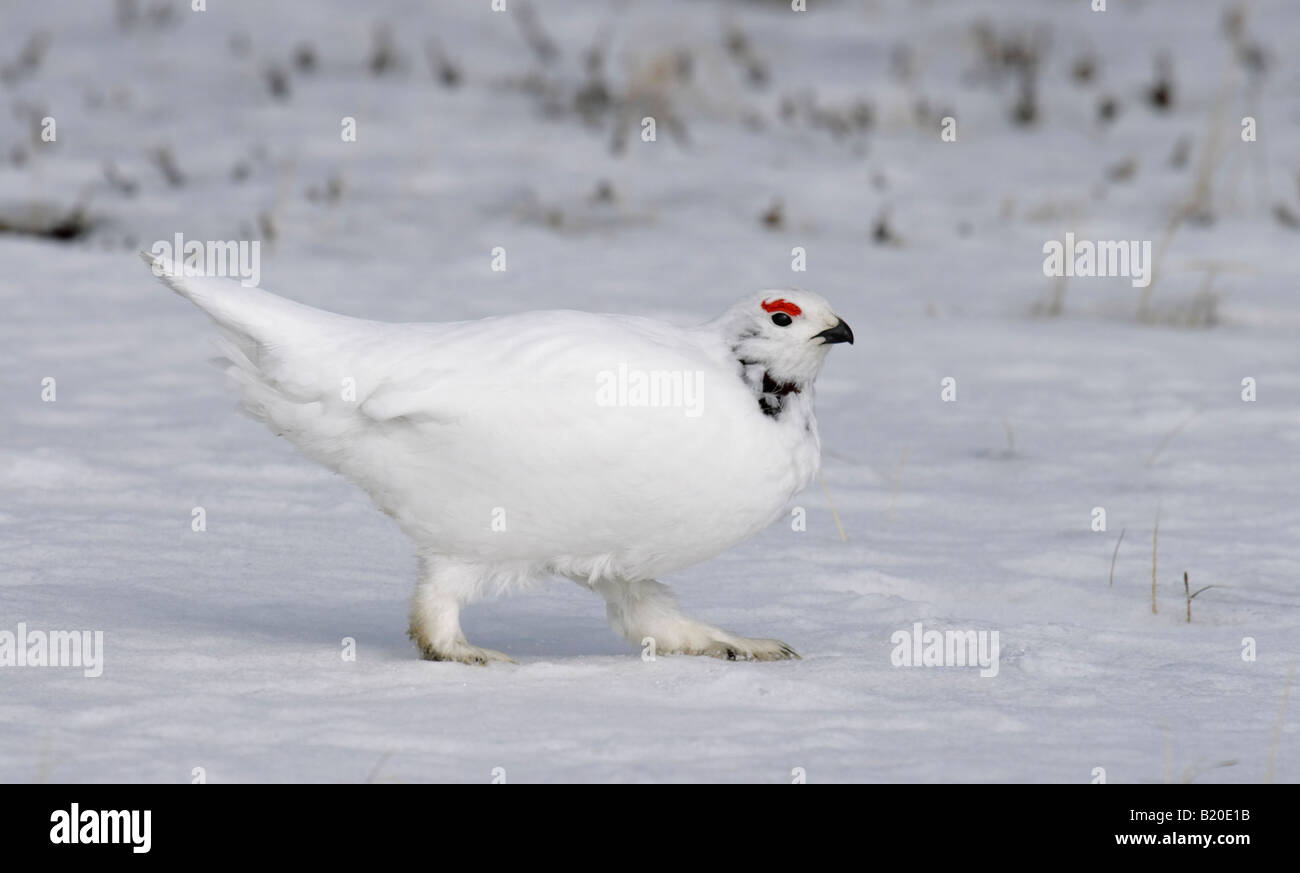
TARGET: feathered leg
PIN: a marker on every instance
(640, 609)
(443, 588)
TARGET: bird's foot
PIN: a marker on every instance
(749, 649)
(465, 654)
(720, 644)
(459, 651)
(698, 638)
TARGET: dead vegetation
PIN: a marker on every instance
(49, 221)
(1012, 55)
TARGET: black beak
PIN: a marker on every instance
(840, 333)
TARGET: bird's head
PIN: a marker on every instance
(783, 336)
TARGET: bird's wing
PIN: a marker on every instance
(577, 433)
(533, 419)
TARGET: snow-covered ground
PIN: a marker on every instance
(775, 129)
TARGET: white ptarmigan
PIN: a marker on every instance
(608, 449)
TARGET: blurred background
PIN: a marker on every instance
(773, 128)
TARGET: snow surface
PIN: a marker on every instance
(223, 646)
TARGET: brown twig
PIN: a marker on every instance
(1114, 556)
(1187, 590)
(1169, 436)
(831, 503)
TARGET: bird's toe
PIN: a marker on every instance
(747, 649)
(463, 653)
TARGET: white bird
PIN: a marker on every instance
(608, 449)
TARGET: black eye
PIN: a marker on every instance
(782, 320)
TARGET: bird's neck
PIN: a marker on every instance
(772, 395)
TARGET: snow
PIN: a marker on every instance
(222, 647)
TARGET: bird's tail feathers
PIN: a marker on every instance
(243, 309)
(262, 340)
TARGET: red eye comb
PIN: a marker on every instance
(781, 305)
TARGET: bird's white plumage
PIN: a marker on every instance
(499, 449)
